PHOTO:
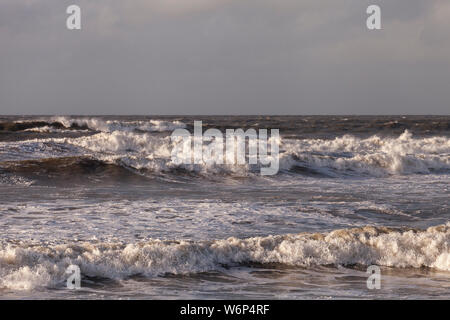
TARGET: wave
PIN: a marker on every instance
(343, 156)
(50, 129)
(116, 125)
(65, 124)
(14, 180)
(348, 155)
(28, 265)
(373, 156)
(16, 172)
(34, 125)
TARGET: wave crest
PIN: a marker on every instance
(343, 156)
(374, 156)
(25, 266)
(62, 124)
(116, 125)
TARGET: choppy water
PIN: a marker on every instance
(102, 193)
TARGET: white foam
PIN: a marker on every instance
(116, 125)
(25, 265)
(145, 151)
(46, 129)
(348, 155)
(373, 156)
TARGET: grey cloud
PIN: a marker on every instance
(224, 57)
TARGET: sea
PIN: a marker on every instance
(102, 193)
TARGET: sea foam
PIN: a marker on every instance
(27, 265)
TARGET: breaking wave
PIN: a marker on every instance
(27, 265)
(342, 156)
(115, 125)
(373, 156)
(64, 124)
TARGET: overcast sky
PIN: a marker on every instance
(225, 57)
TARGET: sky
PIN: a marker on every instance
(224, 57)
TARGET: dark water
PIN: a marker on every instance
(103, 193)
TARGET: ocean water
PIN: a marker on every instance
(102, 193)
